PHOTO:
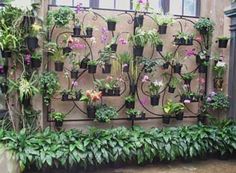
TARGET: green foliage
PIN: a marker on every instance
(223, 38)
(184, 35)
(204, 24)
(150, 64)
(188, 76)
(171, 108)
(57, 116)
(93, 62)
(130, 99)
(216, 101)
(105, 55)
(106, 113)
(124, 58)
(37, 55)
(111, 19)
(154, 38)
(219, 69)
(133, 113)
(98, 147)
(168, 57)
(154, 87)
(161, 19)
(48, 84)
(140, 38)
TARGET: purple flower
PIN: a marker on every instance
(123, 41)
(141, 1)
(212, 94)
(104, 36)
(78, 8)
(145, 78)
(187, 101)
(208, 99)
(28, 59)
(75, 83)
(190, 52)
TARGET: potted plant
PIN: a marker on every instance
(170, 109)
(105, 113)
(84, 62)
(163, 21)
(188, 77)
(89, 31)
(202, 68)
(32, 40)
(74, 73)
(154, 89)
(58, 117)
(76, 94)
(205, 26)
(167, 60)
(125, 59)
(138, 40)
(183, 38)
(113, 45)
(111, 23)
(174, 82)
(91, 97)
(130, 102)
(177, 66)
(149, 64)
(92, 66)
(65, 95)
(77, 29)
(36, 59)
(105, 58)
(138, 18)
(219, 72)
(155, 40)
(100, 84)
(223, 41)
(202, 57)
(133, 114)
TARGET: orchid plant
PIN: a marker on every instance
(220, 69)
(155, 87)
(91, 97)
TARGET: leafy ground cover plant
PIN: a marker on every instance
(105, 113)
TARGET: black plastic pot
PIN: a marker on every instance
(58, 124)
(202, 69)
(78, 95)
(180, 41)
(129, 105)
(6, 53)
(183, 98)
(26, 102)
(171, 90)
(117, 91)
(159, 48)
(138, 21)
(35, 63)
(114, 47)
(198, 59)
(202, 118)
(59, 66)
(104, 93)
(84, 63)
(110, 92)
(126, 68)
(106, 69)
(111, 25)
(65, 97)
(166, 65)
(77, 30)
(162, 29)
(28, 21)
(32, 42)
(180, 116)
(203, 31)
(133, 88)
(166, 119)
(92, 69)
(74, 74)
(91, 111)
(223, 43)
(187, 81)
(177, 68)
(89, 32)
(138, 50)
(190, 42)
(4, 88)
(155, 100)
(132, 117)
(67, 50)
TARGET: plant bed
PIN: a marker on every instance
(89, 32)
(74, 74)
(138, 51)
(6, 53)
(35, 63)
(155, 100)
(32, 42)
(106, 69)
(138, 21)
(59, 66)
(91, 111)
(77, 30)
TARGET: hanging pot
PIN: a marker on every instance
(180, 41)
(111, 25)
(202, 68)
(162, 29)
(202, 119)
(129, 105)
(77, 30)
(113, 47)
(180, 116)
(183, 98)
(84, 63)
(28, 21)
(203, 31)
(117, 91)
(104, 93)
(159, 48)
(91, 111)
(78, 95)
(59, 66)
(74, 74)
(4, 87)
(89, 32)
(138, 21)
(32, 42)
(171, 90)
(35, 63)
(110, 92)
(6, 53)
(133, 88)
(132, 117)
(138, 50)
(177, 68)
(187, 81)
(218, 84)
(26, 101)
(155, 100)
(223, 43)
(65, 97)
(143, 116)
(92, 69)
(189, 42)
(126, 68)
(166, 119)
(166, 65)
(106, 69)
(67, 50)
(58, 124)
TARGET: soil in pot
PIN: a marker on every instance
(74, 74)
(177, 68)
(138, 21)
(159, 48)
(162, 29)
(138, 50)
(6, 53)
(32, 42)
(84, 63)
(35, 63)
(129, 105)
(166, 119)
(89, 32)
(106, 69)
(65, 97)
(166, 65)
(155, 100)
(77, 31)
(91, 111)
(59, 66)
(113, 47)
(92, 69)
(58, 124)
(218, 83)
(171, 90)
(111, 25)
(223, 43)
(126, 68)
(117, 91)
(180, 116)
